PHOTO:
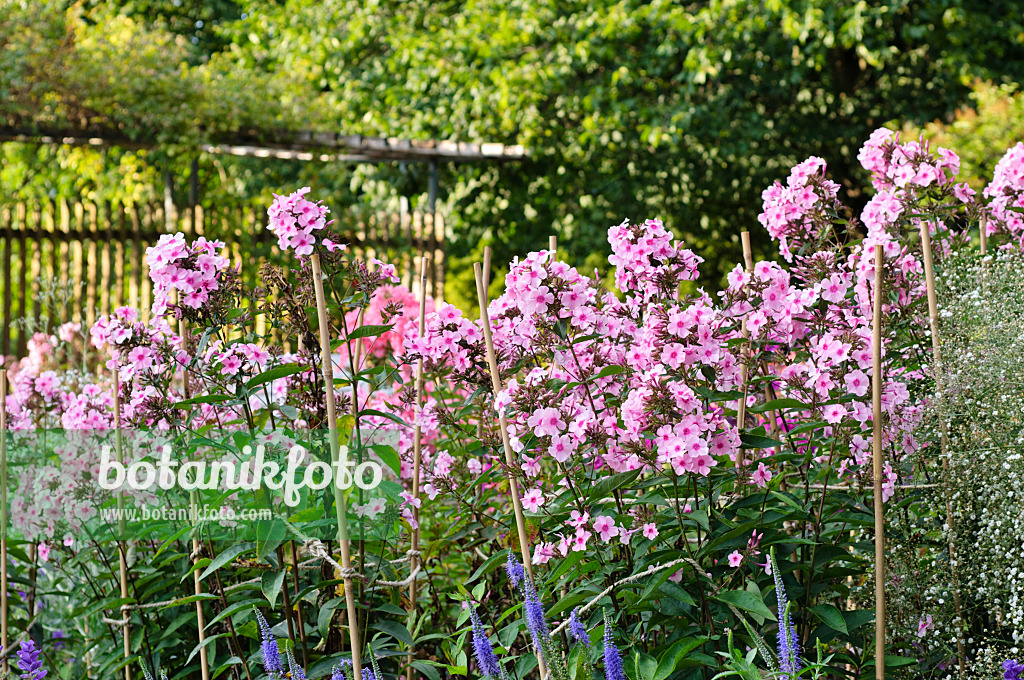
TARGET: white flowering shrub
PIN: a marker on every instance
(982, 332)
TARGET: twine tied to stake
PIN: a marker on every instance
(317, 549)
(115, 622)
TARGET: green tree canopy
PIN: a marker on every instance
(629, 109)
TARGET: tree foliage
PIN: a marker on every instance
(685, 111)
(982, 132)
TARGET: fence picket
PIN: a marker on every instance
(119, 255)
(135, 275)
(51, 223)
(6, 221)
(36, 259)
(104, 301)
(23, 276)
(77, 273)
(98, 251)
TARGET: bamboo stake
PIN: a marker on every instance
(298, 606)
(487, 285)
(876, 406)
(741, 411)
(417, 443)
(357, 352)
(984, 273)
(3, 516)
(356, 356)
(496, 386)
(748, 254)
(487, 272)
(204, 658)
(327, 365)
(553, 247)
(933, 321)
(121, 548)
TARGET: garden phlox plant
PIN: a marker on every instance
(652, 508)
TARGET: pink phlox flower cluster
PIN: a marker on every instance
(296, 221)
(543, 299)
(648, 262)
(136, 348)
(904, 174)
(684, 446)
(192, 270)
(246, 358)
(450, 340)
(799, 212)
(67, 332)
(387, 272)
(405, 323)
(910, 164)
(1006, 192)
(50, 501)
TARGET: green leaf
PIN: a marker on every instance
(564, 565)
(196, 566)
(225, 557)
(205, 399)
(755, 441)
(787, 500)
(611, 483)
(747, 601)
(831, 617)
(428, 669)
(777, 405)
(645, 664)
(610, 370)
(190, 599)
(489, 565)
(181, 620)
(369, 331)
(323, 618)
(858, 617)
(274, 373)
(271, 583)
(395, 630)
(389, 456)
(892, 661)
(202, 644)
(382, 414)
(271, 533)
(677, 593)
(670, 657)
(113, 604)
(233, 609)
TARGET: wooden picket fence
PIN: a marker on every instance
(96, 252)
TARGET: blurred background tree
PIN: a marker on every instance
(990, 121)
(629, 109)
